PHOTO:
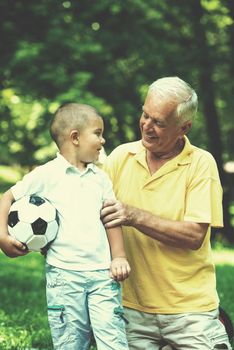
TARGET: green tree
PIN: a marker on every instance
(106, 53)
(206, 74)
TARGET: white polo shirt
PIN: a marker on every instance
(81, 243)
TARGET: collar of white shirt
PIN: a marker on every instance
(68, 168)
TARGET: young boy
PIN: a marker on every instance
(84, 263)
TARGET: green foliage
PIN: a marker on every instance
(104, 53)
(232, 213)
(9, 176)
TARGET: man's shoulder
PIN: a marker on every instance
(202, 154)
(203, 161)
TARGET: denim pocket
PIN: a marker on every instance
(57, 310)
(119, 311)
(57, 321)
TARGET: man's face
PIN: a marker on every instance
(159, 127)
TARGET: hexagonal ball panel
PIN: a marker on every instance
(51, 232)
(35, 243)
(22, 231)
(29, 212)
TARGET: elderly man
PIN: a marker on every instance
(169, 196)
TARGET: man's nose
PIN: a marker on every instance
(148, 124)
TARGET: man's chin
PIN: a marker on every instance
(147, 144)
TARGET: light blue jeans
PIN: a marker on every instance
(80, 302)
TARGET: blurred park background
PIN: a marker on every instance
(106, 53)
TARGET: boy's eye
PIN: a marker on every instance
(98, 133)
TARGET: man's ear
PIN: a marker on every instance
(74, 135)
(186, 127)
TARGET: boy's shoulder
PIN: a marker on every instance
(49, 164)
(46, 169)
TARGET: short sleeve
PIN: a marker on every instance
(108, 192)
(31, 183)
(204, 194)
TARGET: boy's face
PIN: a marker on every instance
(91, 140)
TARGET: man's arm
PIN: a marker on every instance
(186, 234)
(9, 245)
(119, 268)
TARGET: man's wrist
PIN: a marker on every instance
(131, 215)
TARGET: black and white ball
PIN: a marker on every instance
(33, 220)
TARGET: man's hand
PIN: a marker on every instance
(115, 213)
(11, 247)
(119, 269)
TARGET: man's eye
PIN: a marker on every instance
(159, 124)
(145, 116)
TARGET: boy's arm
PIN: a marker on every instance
(9, 245)
(119, 268)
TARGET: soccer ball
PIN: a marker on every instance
(33, 220)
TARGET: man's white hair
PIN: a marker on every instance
(178, 91)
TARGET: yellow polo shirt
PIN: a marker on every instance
(166, 279)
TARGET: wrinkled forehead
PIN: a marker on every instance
(165, 98)
(155, 103)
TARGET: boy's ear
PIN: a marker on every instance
(74, 135)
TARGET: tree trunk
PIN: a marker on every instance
(230, 6)
(210, 112)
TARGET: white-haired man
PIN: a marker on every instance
(169, 196)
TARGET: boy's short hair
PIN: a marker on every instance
(68, 117)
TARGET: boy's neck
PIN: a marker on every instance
(77, 163)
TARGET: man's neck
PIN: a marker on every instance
(156, 160)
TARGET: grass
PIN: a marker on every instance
(23, 321)
(224, 261)
(23, 314)
(23, 311)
